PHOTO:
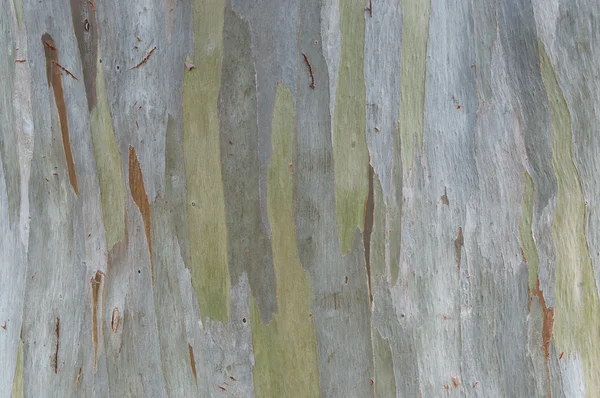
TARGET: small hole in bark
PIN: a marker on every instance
(244, 320)
(86, 25)
(118, 67)
(139, 271)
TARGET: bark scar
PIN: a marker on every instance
(459, 242)
(193, 363)
(368, 228)
(138, 192)
(57, 330)
(97, 286)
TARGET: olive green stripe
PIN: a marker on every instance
(350, 151)
(415, 32)
(577, 309)
(525, 235)
(285, 350)
(205, 202)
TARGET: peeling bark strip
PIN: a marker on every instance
(53, 69)
(368, 228)
(55, 359)
(548, 320)
(193, 363)
(458, 244)
(115, 320)
(96, 284)
(138, 193)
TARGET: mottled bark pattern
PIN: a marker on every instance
(340, 198)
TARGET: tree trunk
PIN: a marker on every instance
(299, 198)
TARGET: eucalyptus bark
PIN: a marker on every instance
(299, 198)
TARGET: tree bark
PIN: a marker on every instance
(299, 198)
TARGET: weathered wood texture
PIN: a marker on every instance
(300, 198)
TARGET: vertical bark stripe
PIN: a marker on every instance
(577, 306)
(138, 193)
(415, 32)
(206, 209)
(54, 75)
(350, 152)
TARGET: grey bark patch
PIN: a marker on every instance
(249, 248)
(273, 49)
(175, 185)
(517, 35)
(86, 32)
(346, 356)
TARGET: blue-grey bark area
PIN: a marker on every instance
(231, 198)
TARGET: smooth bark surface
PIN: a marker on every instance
(341, 198)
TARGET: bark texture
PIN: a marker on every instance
(340, 198)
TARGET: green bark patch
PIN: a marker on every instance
(385, 381)
(285, 350)
(415, 32)
(205, 201)
(529, 250)
(108, 166)
(350, 152)
(577, 308)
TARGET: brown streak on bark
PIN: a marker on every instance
(55, 80)
(444, 198)
(368, 228)
(115, 320)
(57, 344)
(143, 61)
(193, 363)
(458, 244)
(138, 192)
(548, 320)
(96, 284)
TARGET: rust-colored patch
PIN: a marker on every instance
(193, 363)
(459, 242)
(523, 256)
(55, 81)
(138, 192)
(97, 285)
(456, 381)
(444, 198)
(368, 228)
(55, 359)
(548, 320)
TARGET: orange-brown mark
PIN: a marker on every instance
(54, 76)
(459, 242)
(193, 363)
(97, 284)
(368, 228)
(77, 380)
(456, 381)
(548, 320)
(138, 192)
